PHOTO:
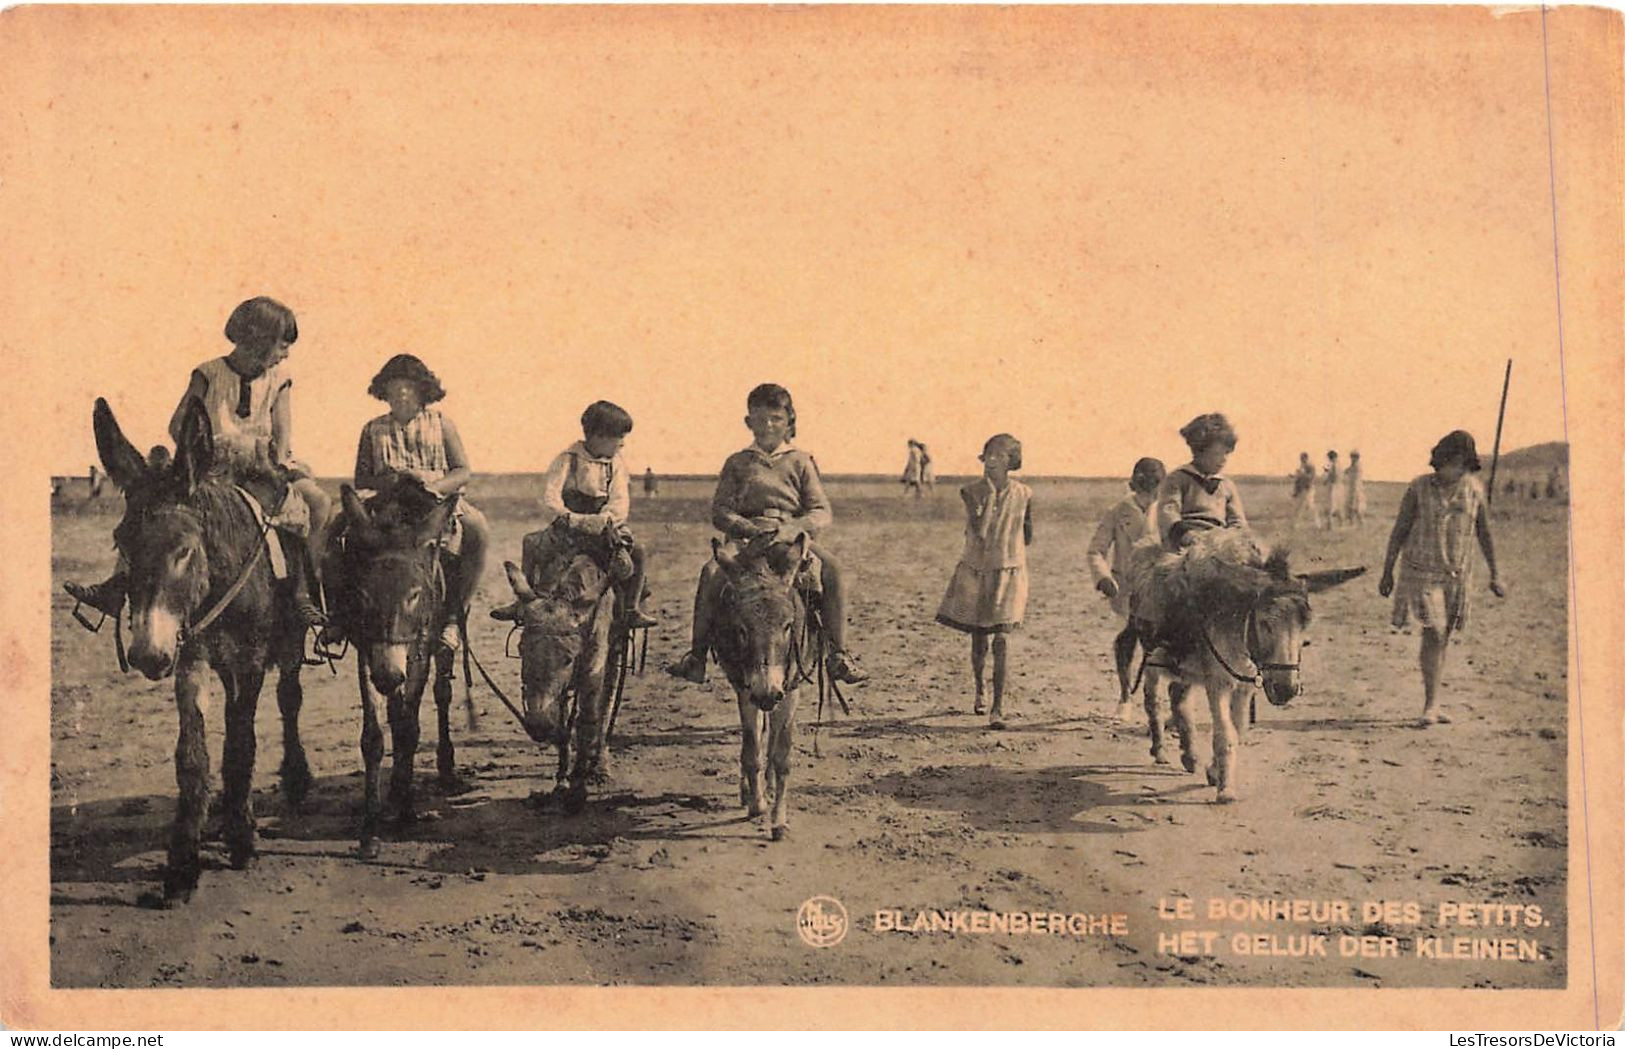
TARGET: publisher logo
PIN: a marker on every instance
(822, 921)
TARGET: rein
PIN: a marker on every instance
(190, 630)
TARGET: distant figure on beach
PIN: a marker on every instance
(1354, 492)
(928, 476)
(913, 471)
(651, 483)
(1303, 493)
(1334, 510)
(97, 479)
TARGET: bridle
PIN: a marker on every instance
(1249, 636)
(437, 584)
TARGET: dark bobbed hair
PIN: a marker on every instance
(1457, 444)
(605, 419)
(772, 395)
(261, 321)
(1007, 442)
(406, 366)
(1207, 430)
(1148, 474)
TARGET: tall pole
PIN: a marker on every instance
(1495, 455)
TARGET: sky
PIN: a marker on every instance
(1080, 226)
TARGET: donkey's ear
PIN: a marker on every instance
(517, 580)
(434, 523)
(724, 554)
(124, 464)
(358, 516)
(1277, 563)
(194, 446)
(1318, 581)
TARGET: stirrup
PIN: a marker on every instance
(84, 620)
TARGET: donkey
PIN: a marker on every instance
(566, 618)
(760, 626)
(1228, 626)
(399, 594)
(201, 594)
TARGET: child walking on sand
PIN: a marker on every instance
(1124, 525)
(987, 596)
(1438, 517)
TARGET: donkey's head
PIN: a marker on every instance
(1279, 622)
(161, 536)
(761, 619)
(400, 586)
(555, 627)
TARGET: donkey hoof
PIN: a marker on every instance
(1212, 777)
(1188, 761)
(159, 900)
(780, 832)
(575, 799)
(1226, 796)
(452, 784)
(753, 811)
(368, 849)
(243, 857)
(1158, 756)
(179, 886)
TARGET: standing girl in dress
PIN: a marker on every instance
(987, 596)
(1439, 516)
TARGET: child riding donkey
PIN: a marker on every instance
(585, 494)
(768, 494)
(247, 398)
(413, 447)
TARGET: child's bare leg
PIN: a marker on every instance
(842, 666)
(1001, 648)
(1123, 654)
(471, 565)
(632, 596)
(978, 664)
(691, 667)
(307, 598)
(1434, 646)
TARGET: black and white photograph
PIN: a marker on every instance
(1076, 498)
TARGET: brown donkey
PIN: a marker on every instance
(567, 644)
(760, 627)
(201, 596)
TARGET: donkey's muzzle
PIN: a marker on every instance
(1280, 693)
(766, 700)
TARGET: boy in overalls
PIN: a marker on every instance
(585, 492)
